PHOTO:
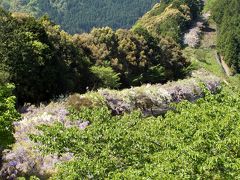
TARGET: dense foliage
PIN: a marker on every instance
(43, 61)
(226, 15)
(105, 77)
(198, 140)
(39, 58)
(25, 159)
(138, 57)
(77, 16)
(170, 18)
(8, 115)
(135, 133)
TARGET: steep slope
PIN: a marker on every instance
(150, 99)
(117, 134)
(30, 49)
(214, 45)
(226, 14)
(170, 18)
(77, 16)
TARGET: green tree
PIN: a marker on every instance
(40, 59)
(104, 77)
(197, 140)
(226, 15)
(134, 55)
(8, 115)
(80, 16)
(170, 18)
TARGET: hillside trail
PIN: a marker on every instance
(192, 37)
(203, 34)
(209, 40)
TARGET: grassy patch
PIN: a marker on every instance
(204, 58)
(209, 4)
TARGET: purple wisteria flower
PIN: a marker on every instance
(12, 163)
(84, 125)
(25, 158)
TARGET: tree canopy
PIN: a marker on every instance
(170, 18)
(44, 61)
(226, 15)
(77, 16)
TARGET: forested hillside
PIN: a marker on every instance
(43, 61)
(170, 18)
(151, 102)
(77, 16)
(226, 13)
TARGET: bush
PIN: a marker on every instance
(196, 141)
(104, 77)
(89, 100)
(8, 115)
(4, 76)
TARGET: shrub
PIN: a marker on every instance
(197, 141)
(90, 100)
(105, 77)
(8, 115)
(4, 76)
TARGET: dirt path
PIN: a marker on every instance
(192, 37)
(226, 68)
(203, 34)
(209, 41)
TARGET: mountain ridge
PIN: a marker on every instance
(81, 16)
